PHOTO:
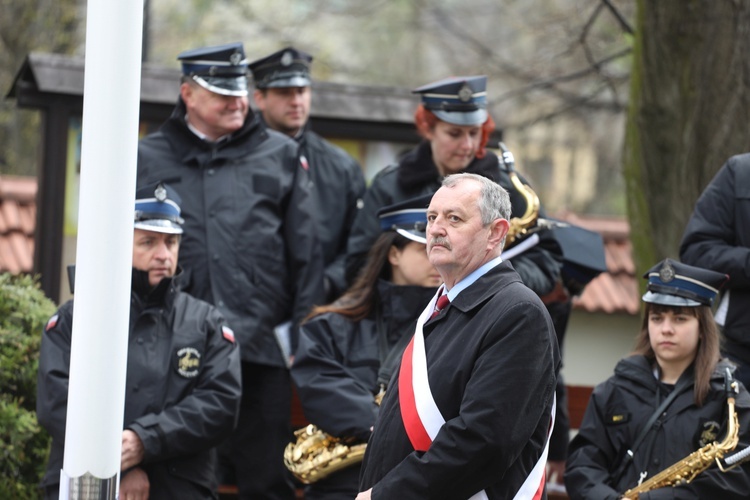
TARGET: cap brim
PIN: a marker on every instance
(669, 300)
(417, 236)
(292, 81)
(476, 117)
(235, 86)
(159, 226)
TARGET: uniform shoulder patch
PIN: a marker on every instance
(228, 333)
(51, 323)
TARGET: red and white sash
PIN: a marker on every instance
(423, 420)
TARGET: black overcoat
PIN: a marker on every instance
(492, 361)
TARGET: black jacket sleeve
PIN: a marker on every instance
(539, 269)
(591, 455)
(714, 238)
(332, 397)
(53, 374)
(305, 258)
(205, 416)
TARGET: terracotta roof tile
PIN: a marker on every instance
(17, 221)
(615, 291)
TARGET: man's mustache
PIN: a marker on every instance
(439, 240)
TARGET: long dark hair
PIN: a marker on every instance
(358, 301)
(707, 354)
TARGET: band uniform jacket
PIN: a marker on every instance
(416, 175)
(182, 390)
(616, 413)
(249, 244)
(336, 369)
(717, 237)
(492, 361)
(338, 187)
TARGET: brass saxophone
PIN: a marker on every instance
(519, 226)
(689, 467)
(315, 454)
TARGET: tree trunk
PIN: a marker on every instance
(689, 111)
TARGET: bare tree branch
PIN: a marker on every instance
(620, 18)
(548, 84)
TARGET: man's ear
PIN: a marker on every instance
(259, 98)
(186, 92)
(498, 230)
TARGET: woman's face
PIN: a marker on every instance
(674, 336)
(453, 146)
(410, 266)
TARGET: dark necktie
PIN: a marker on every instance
(442, 303)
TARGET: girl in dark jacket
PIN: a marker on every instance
(343, 345)
(664, 402)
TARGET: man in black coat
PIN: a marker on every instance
(183, 387)
(717, 237)
(250, 247)
(469, 412)
(283, 95)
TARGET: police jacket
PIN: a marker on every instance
(717, 237)
(492, 361)
(182, 391)
(249, 244)
(416, 175)
(336, 371)
(616, 413)
(338, 186)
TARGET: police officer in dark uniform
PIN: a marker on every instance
(348, 349)
(456, 126)
(183, 381)
(250, 245)
(283, 95)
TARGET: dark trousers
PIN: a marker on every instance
(255, 451)
(558, 444)
(341, 485)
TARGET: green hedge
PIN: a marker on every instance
(24, 445)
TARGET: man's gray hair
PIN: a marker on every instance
(494, 201)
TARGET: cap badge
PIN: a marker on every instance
(287, 58)
(160, 193)
(465, 93)
(666, 273)
(235, 59)
(212, 70)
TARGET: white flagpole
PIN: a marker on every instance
(96, 395)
